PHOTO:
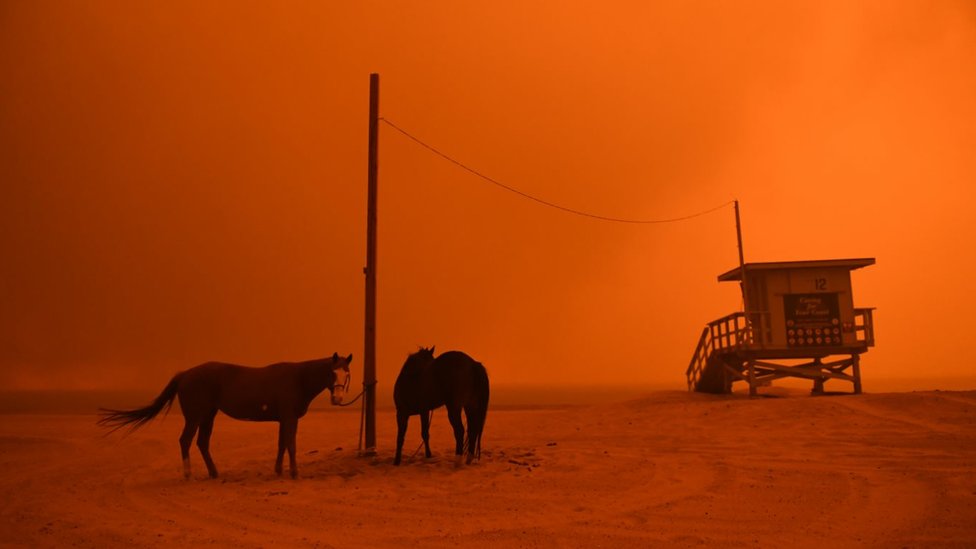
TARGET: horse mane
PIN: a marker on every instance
(418, 360)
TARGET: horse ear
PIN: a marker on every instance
(335, 357)
(432, 350)
(350, 358)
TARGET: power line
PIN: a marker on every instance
(546, 202)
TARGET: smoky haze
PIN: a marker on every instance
(187, 182)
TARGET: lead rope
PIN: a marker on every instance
(362, 420)
(362, 415)
(346, 388)
(430, 416)
(353, 401)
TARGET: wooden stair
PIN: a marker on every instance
(716, 357)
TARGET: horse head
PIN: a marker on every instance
(415, 364)
(419, 360)
(340, 367)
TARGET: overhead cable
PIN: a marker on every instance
(540, 200)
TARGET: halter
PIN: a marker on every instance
(345, 386)
(345, 389)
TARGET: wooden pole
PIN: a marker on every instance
(369, 359)
(738, 237)
(742, 271)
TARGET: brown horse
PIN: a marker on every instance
(454, 380)
(279, 392)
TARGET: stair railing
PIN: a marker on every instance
(728, 333)
(699, 359)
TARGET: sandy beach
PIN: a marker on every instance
(666, 469)
(602, 203)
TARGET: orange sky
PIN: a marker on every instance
(184, 183)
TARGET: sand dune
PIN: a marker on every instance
(669, 469)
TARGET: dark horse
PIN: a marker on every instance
(279, 392)
(454, 380)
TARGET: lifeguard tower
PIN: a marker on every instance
(801, 312)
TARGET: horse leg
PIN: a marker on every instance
(292, 463)
(203, 442)
(281, 447)
(454, 415)
(190, 425)
(286, 438)
(425, 431)
(475, 425)
(402, 420)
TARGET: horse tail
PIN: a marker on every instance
(481, 411)
(116, 419)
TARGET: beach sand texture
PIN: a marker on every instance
(668, 469)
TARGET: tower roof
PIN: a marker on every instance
(849, 264)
